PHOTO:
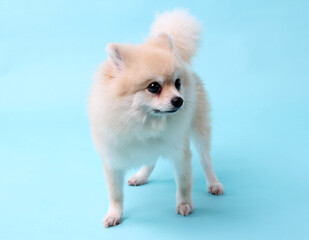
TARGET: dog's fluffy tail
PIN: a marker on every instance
(183, 28)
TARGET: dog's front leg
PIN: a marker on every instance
(183, 177)
(114, 182)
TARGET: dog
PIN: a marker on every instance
(146, 102)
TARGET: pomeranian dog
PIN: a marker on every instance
(145, 103)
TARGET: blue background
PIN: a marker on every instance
(254, 62)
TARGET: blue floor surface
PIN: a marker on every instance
(254, 63)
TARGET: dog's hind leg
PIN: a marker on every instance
(141, 176)
(201, 139)
(213, 184)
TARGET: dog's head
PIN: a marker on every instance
(150, 78)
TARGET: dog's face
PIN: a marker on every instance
(150, 78)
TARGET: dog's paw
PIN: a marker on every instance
(184, 209)
(135, 180)
(111, 220)
(215, 188)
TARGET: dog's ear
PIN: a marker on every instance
(116, 54)
(163, 40)
(166, 41)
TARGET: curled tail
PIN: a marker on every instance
(183, 28)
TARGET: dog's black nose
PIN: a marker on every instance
(177, 102)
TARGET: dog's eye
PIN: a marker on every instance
(177, 84)
(154, 87)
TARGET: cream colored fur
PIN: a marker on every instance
(127, 129)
